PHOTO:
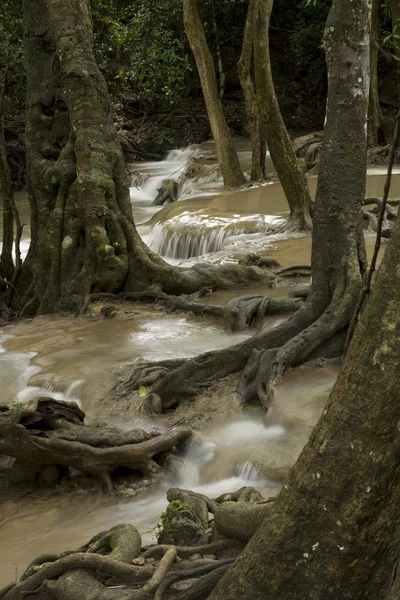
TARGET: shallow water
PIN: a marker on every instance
(224, 459)
(74, 358)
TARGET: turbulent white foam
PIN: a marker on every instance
(144, 189)
(242, 432)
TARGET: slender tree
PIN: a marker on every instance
(245, 70)
(292, 178)
(374, 113)
(227, 156)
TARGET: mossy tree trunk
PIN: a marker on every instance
(83, 238)
(245, 71)
(227, 156)
(292, 178)
(375, 113)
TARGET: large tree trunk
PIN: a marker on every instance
(334, 531)
(83, 238)
(227, 156)
(292, 178)
(258, 146)
(338, 252)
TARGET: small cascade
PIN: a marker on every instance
(189, 235)
(148, 177)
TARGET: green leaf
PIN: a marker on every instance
(142, 392)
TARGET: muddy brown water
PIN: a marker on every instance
(75, 358)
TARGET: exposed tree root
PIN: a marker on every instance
(247, 312)
(186, 551)
(190, 574)
(102, 569)
(294, 271)
(243, 312)
(46, 437)
(263, 358)
(204, 586)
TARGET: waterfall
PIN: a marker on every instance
(189, 235)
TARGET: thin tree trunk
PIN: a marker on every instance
(395, 10)
(375, 113)
(258, 147)
(227, 156)
(6, 258)
(221, 72)
(279, 144)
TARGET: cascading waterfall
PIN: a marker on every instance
(189, 235)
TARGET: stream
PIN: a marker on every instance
(73, 359)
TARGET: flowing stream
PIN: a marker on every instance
(73, 359)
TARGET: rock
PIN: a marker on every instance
(139, 561)
(181, 525)
(210, 556)
(195, 556)
(150, 560)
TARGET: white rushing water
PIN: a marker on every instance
(189, 234)
(203, 451)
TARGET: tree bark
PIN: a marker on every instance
(227, 156)
(83, 238)
(292, 178)
(375, 113)
(258, 146)
(7, 262)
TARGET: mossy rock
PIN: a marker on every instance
(180, 525)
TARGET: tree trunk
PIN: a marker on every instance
(395, 10)
(6, 259)
(227, 156)
(83, 238)
(292, 178)
(375, 113)
(335, 527)
(258, 147)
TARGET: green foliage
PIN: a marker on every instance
(146, 43)
(11, 62)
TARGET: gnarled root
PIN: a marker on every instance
(44, 434)
(247, 312)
